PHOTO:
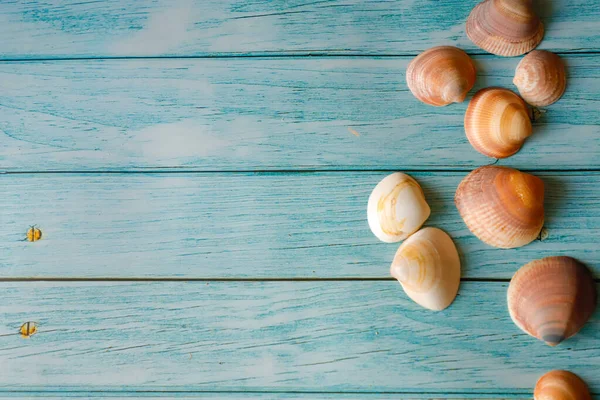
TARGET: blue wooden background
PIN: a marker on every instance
(200, 172)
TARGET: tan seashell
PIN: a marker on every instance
(428, 268)
(441, 75)
(541, 78)
(397, 208)
(561, 385)
(552, 298)
(505, 27)
(503, 207)
(497, 122)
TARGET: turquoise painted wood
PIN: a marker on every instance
(274, 336)
(310, 225)
(246, 395)
(115, 28)
(265, 114)
(201, 179)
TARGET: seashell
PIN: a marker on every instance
(505, 27)
(541, 78)
(497, 122)
(561, 385)
(441, 75)
(552, 298)
(428, 268)
(503, 207)
(397, 208)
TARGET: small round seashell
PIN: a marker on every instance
(397, 208)
(34, 234)
(28, 329)
(551, 299)
(505, 27)
(427, 266)
(502, 206)
(561, 385)
(541, 78)
(497, 122)
(441, 75)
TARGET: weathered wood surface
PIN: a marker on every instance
(307, 225)
(274, 336)
(114, 28)
(250, 395)
(257, 114)
(234, 335)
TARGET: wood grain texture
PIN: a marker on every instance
(249, 114)
(249, 395)
(274, 336)
(114, 28)
(307, 225)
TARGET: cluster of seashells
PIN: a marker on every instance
(551, 298)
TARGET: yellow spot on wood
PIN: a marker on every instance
(34, 234)
(28, 329)
(352, 131)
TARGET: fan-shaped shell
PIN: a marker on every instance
(503, 207)
(441, 75)
(561, 385)
(397, 208)
(497, 122)
(505, 27)
(541, 78)
(552, 298)
(428, 268)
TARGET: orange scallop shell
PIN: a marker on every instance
(497, 122)
(541, 78)
(441, 75)
(505, 27)
(561, 385)
(552, 298)
(503, 207)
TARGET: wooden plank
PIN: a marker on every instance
(274, 336)
(114, 28)
(249, 114)
(291, 225)
(253, 395)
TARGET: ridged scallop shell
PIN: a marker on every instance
(441, 75)
(505, 27)
(503, 207)
(497, 122)
(397, 208)
(552, 298)
(561, 385)
(427, 266)
(541, 78)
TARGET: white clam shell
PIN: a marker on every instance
(397, 208)
(427, 266)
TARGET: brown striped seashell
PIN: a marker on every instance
(396, 208)
(561, 385)
(505, 27)
(428, 268)
(441, 75)
(503, 207)
(552, 298)
(541, 78)
(497, 122)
